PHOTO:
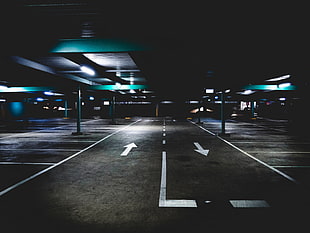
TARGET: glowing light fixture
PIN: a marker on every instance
(284, 85)
(247, 92)
(87, 70)
(2, 87)
(50, 93)
(279, 78)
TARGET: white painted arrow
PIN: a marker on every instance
(128, 149)
(200, 149)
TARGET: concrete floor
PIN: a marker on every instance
(256, 179)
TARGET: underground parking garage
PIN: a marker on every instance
(139, 118)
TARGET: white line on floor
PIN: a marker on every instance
(63, 161)
(259, 161)
(249, 203)
(203, 128)
(163, 202)
(40, 149)
(278, 142)
(42, 130)
(291, 166)
(250, 156)
(280, 152)
(25, 163)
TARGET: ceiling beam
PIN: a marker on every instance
(47, 69)
(100, 70)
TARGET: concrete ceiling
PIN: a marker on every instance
(192, 46)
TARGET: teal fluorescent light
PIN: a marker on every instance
(270, 87)
(117, 87)
(95, 46)
(25, 89)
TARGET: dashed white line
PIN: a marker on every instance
(249, 203)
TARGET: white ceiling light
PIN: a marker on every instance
(209, 91)
(278, 78)
(284, 85)
(87, 70)
(2, 87)
(246, 92)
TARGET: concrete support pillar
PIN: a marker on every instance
(252, 109)
(112, 110)
(157, 110)
(223, 113)
(66, 109)
(79, 112)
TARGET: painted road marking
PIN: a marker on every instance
(62, 161)
(164, 142)
(290, 166)
(25, 163)
(128, 149)
(42, 149)
(203, 128)
(164, 134)
(200, 149)
(259, 161)
(163, 202)
(250, 156)
(281, 152)
(48, 129)
(249, 203)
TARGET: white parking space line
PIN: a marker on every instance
(208, 131)
(259, 161)
(280, 152)
(41, 149)
(291, 166)
(249, 203)
(42, 130)
(163, 202)
(250, 156)
(25, 163)
(63, 161)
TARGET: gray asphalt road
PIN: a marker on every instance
(177, 176)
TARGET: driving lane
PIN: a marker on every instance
(99, 190)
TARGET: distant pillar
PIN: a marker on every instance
(223, 113)
(157, 110)
(112, 110)
(66, 109)
(252, 109)
(79, 113)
